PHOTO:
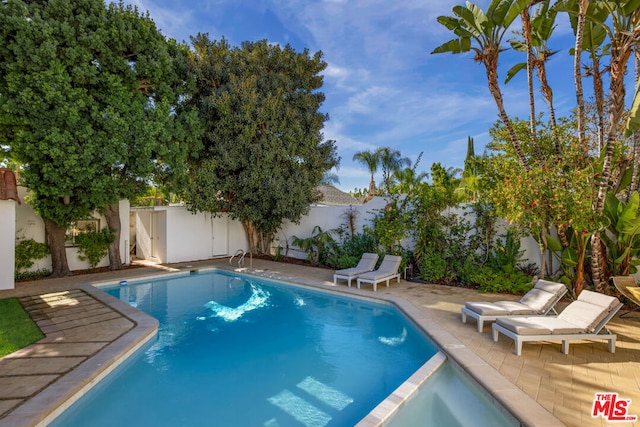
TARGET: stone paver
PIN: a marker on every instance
(78, 327)
(83, 325)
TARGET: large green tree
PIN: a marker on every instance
(157, 131)
(264, 152)
(50, 70)
(90, 90)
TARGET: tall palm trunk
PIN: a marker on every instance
(526, 31)
(491, 65)
(598, 93)
(636, 142)
(547, 95)
(577, 75)
(620, 53)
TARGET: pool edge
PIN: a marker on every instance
(60, 395)
(54, 399)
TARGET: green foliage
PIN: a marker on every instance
(264, 152)
(449, 248)
(433, 268)
(17, 330)
(505, 280)
(501, 273)
(316, 245)
(94, 245)
(27, 251)
(506, 254)
(95, 93)
(32, 275)
(392, 224)
(623, 234)
(347, 250)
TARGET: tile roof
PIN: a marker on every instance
(331, 196)
(8, 187)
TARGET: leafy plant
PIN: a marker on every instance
(93, 246)
(28, 251)
(32, 275)
(506, 254)
(316, 244)
(623, 237)
(506, 280)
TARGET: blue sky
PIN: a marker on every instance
(382, 85)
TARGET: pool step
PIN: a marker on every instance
(306, 412)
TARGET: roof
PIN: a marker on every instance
(8, 187)
(331, 196)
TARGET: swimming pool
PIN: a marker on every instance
(238, 350)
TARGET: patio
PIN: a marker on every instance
(83, 329)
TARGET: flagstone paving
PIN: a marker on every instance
(87, 330)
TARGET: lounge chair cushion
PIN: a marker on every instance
(539, 325)
(376, 275)
(353, 271)
(388, 267)
(581, 316)
(499, 308)
(588, 310)
(539, 299)
(367, 263)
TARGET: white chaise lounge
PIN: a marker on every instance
(367, 263)
(388, 270)
(583, 319)
(540, 300)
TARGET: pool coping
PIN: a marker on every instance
(59, 396)
(54, 399)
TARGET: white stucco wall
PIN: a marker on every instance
(30, 226)
(174, 234)
(169, 234)
(7, 243)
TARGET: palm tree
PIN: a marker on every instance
(409, 180)
(623, 33)
(329, 178)
(370, 160)
(542, 27)
(471, 24)
(391, 162)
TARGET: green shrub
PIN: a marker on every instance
(347, 250)
(27, 251)
(433, 267)
(507, 280)
(32, 275)
(94, 245)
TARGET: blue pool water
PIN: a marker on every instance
(239, 351)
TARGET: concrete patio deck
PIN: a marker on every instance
(85, 328)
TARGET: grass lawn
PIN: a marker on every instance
(17, 330)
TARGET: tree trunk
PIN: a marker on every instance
(491, 65)
(636, 144)
(526, 31)
(55, 237)
(250, 231)
(543, 254)
(547, 94)
(577, 75)
(112, 215)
